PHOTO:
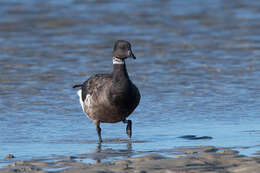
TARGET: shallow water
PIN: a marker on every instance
(197, 68)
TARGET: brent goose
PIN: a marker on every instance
(111, 98)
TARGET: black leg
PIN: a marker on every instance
(98, 131)
(128, 128)
(99, 147)
(98, 160)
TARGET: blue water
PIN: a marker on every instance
(197, 68)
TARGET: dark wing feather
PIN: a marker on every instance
(94, 83)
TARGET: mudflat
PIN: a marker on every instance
(205, 159)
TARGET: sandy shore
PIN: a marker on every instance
(206, 159)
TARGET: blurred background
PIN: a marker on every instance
(197, 68)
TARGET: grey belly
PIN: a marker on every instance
(103, 111)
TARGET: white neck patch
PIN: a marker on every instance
(118, 61)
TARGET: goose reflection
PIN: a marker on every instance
(108, 153)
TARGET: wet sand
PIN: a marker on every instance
(206, 159)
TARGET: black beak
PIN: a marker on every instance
(132, 55)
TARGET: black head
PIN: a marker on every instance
(122, 50)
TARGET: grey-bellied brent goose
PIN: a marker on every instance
(111, 98)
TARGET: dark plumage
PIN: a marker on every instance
(111, 98)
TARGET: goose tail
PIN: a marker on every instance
(76, 86)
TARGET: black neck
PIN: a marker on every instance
(120, 72)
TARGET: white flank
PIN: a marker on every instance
(86, 104)
(80, 99)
